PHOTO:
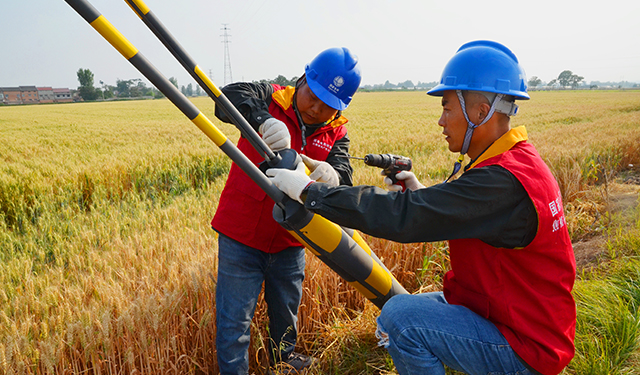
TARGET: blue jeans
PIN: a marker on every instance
(241, 272)
(423, 333)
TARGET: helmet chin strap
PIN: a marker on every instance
(303, 127)
(470, 128)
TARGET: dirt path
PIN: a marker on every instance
(623, 203)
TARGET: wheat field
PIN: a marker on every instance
(109, 260)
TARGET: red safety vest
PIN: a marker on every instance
(245, 212)
(525, 292)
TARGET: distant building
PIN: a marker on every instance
(19, 95)
(29, 95)
(46, 95)
(11, 95)
(62, 95)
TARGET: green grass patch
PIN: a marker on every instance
(608, 301)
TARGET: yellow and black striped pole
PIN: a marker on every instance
(351, 265)
(120, 43)
(343, 250)
(346, 253)
(360, 267)
(176, 49)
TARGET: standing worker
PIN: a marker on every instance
(506, 305)
(252, 247)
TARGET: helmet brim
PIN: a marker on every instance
(441, 88)
(327, 97)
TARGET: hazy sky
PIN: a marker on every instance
(45, 42)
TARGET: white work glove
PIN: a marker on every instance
(275, 134)
(291, 182)
(321, 171)
(409, 179)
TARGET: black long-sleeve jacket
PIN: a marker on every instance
(487, 203)
(252, 101)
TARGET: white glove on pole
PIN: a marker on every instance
(410, 181)
(275, 134)
(321, 171)
(291, 182)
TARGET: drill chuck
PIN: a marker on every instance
(388, 161)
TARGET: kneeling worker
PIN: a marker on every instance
(506, 305)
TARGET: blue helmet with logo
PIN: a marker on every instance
(483, 65)
(334, 76)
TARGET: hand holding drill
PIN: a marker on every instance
(396, 169)
(406, 179)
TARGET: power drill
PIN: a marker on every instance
(391, 164)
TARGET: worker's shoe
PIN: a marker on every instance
(294, 364)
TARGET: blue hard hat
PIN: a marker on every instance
(483, 65)
(334, 76)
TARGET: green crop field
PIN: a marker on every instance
(109, 261)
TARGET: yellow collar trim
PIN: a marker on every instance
(284, 97)
(503, 144)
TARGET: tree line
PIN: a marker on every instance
(565, 79)
(136, 88)
(126, 88)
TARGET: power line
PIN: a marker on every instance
(228, 78)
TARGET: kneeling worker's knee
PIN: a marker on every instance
(391, 311)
